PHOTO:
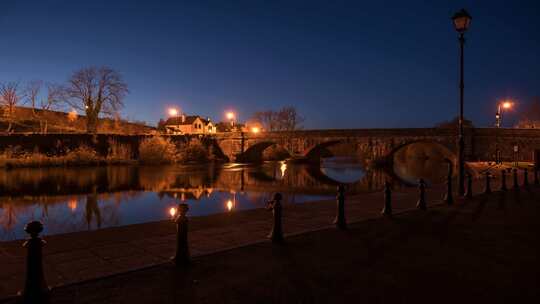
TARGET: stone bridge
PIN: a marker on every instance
(481, 143)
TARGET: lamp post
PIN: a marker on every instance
(505, 105)
(501, 106)
(231, 117)
(461, 20)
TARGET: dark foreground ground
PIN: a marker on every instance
(481, 251)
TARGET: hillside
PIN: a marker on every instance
(26, 120)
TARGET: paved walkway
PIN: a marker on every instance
(483, 250)
(76, 257)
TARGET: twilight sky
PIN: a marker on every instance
(343, 64)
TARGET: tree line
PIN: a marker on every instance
(94, 91)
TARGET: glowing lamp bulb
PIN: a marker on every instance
(255, 130)
(230, 115)
(507, 105)
(229, 205)
(173, 112)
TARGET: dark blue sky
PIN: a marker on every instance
(343, 64)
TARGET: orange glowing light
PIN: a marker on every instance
(283, 168)
(72, 205)
(229, 205)
(507, 105)
(172, 211)
(255, 130)
(173, 112)
(230, 115)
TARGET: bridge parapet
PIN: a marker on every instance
(376, 143)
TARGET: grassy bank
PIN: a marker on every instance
(153, 150)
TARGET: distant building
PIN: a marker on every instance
(229, 127)
(189, 125)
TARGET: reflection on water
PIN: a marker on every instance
(422, 160)
(78, 199)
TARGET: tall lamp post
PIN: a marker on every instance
(462, 20)
(506, 105)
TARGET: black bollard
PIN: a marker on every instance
(276, 234)
(182, 257)
(449, 197)
(536, 181)
(469, 193)
(387, 210)
(421, 204)
(35, 287)
(503, 180)
(516, 183)
(487, 189)
(525, 178)
(340, 221)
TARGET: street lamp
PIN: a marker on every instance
(461, 20)
(173, 112)
(501, 107)
(231, 116)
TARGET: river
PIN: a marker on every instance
(89, 198)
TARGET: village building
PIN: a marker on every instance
(184, 124)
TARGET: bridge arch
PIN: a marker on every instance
(254, 153)
(427, 159)
(434, 142)
(315, 152)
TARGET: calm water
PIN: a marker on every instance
(78, 199)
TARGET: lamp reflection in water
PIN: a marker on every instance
(283, 168)
(172, 211)
(72, 204)
(231, 203)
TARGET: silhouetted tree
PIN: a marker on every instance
(53, 98)
(454, 123)
(96, 91)
(286, 119)
(529, 116)
(10, 97)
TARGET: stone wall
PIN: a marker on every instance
(481, 143)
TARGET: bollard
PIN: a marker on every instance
(516, 184)
(387, 210)
(340, 221)
(276, 234)
(35, 287)
(469, 193)
(525, 178)
(503, 180)
(448, 197)
(182, 257)
(421, 204)
(487, 189)
(536, 181)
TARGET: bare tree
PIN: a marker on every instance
(41, 107)
(32, 93)
(10, 97)
(96, 91)
(529, 117)
(289, 119)
(286, 119)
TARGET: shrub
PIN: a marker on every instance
(157, 150)
(193, 152)
(82, 156)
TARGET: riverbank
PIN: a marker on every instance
(479, 250)
(80, 256)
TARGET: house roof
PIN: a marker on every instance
(177, 120)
